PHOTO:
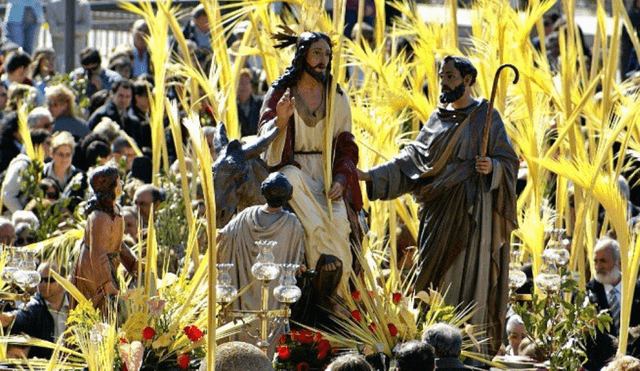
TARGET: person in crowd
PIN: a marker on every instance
(4, 97)
(91, 72)
(6, 49)
(25, 234)
(122, 66)
(40, 118)
(624, 363)
(248, 104)
(41, 69)
(628, 56)
(22, 21)
(14, 197)
(45, 316)
(415, 356)
(121, 149)
(515, 332)
(56, 16)
(97, 100)
(140, 108)
(10, 140)
(604, 290)
(446, 341)
(17, 65)
(117, 109)
(197, 30)
(21, 94)
(102, 252)
(60, 168)
(108, 129)
(146, 197)
(230, 355)
(61, 102)
(7, 233)
(28, 217)
(130, 216)
(349, 362)
(141, 58)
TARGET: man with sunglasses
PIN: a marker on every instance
(92, 73)
(45, 316)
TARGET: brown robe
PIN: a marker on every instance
(466, 218)
(99, 258)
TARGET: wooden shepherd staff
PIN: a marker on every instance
(487, 125)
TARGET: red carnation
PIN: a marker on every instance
(193, 333)
(356, 315)
(396, 297)
(356, 295)
(393, 330)
(322, 356)
(183, 361)
(283, 339)
(317, 337)
(302, 366)
(305, 337)
(284, 353)
(148, 333)
(123, 340)
(372, 327)
(324, 345)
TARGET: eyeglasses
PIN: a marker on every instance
(51, 195)
(62, 155)
(48, 279)
(22, 241)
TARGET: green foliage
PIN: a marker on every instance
(559, 323)
(51, 215)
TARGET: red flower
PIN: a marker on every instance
(356, 315)
(393, 330)
(302, 366)
(356, 295)
(324, 346)
(305, 337)
(123, 340)
(183, 361)
(148, 333)
(322, 355)
(396, 297)
(283, 339)
(193, 333)
(372, 327)
(284, 353)
(318, 337)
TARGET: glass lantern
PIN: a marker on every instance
(225, 292)
(287, 292)
(265, 269)
(517, 277)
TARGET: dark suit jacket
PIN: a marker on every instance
(600, 349)
(450, 364)
(249, 123)
(36, 321)
(126, 121)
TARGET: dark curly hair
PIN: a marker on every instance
(293, 73)
(104, 181)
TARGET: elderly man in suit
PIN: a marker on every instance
(605, 291)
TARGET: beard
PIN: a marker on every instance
(453, 95)
(611, 277)
(319, 76)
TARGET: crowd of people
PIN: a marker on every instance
(93, 131)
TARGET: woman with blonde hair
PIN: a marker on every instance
(59, 169)
(61, 102)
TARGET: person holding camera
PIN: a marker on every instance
(92, 74)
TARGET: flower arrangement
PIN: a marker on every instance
(159, 333)
(303, 350)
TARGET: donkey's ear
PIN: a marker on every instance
(221, 134)
(261, 144)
